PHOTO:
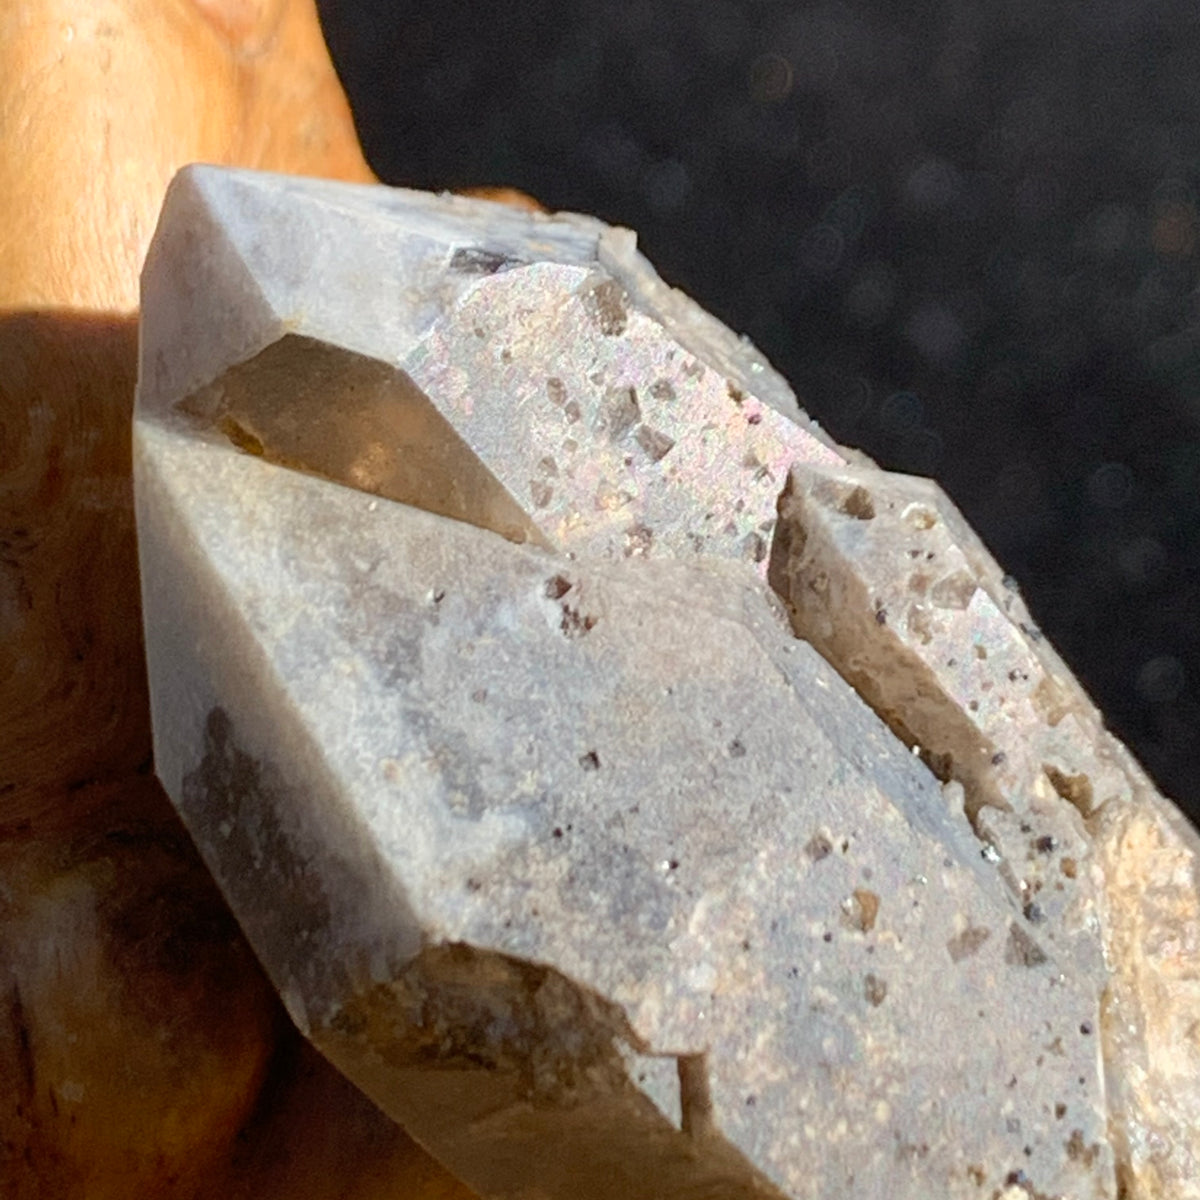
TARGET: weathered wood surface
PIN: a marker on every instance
(142, 1052)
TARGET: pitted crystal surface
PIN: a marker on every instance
(882, 574)
(468, 552)
(432, 387)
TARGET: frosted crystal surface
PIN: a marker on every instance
(473, 562)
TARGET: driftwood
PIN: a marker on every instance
(142, 1052)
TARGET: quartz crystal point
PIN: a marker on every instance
(469, 550)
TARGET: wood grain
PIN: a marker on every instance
(142, 1052)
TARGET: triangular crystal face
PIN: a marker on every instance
(358, 421)
(458, 533)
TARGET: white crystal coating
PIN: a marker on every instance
(417, 742)
(572, 843)
(883, 575)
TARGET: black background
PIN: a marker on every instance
(967, 232)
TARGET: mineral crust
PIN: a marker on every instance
(883, 576)
(468, 554)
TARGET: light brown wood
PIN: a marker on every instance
(142, 1052)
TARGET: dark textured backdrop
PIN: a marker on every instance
(967, 232)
